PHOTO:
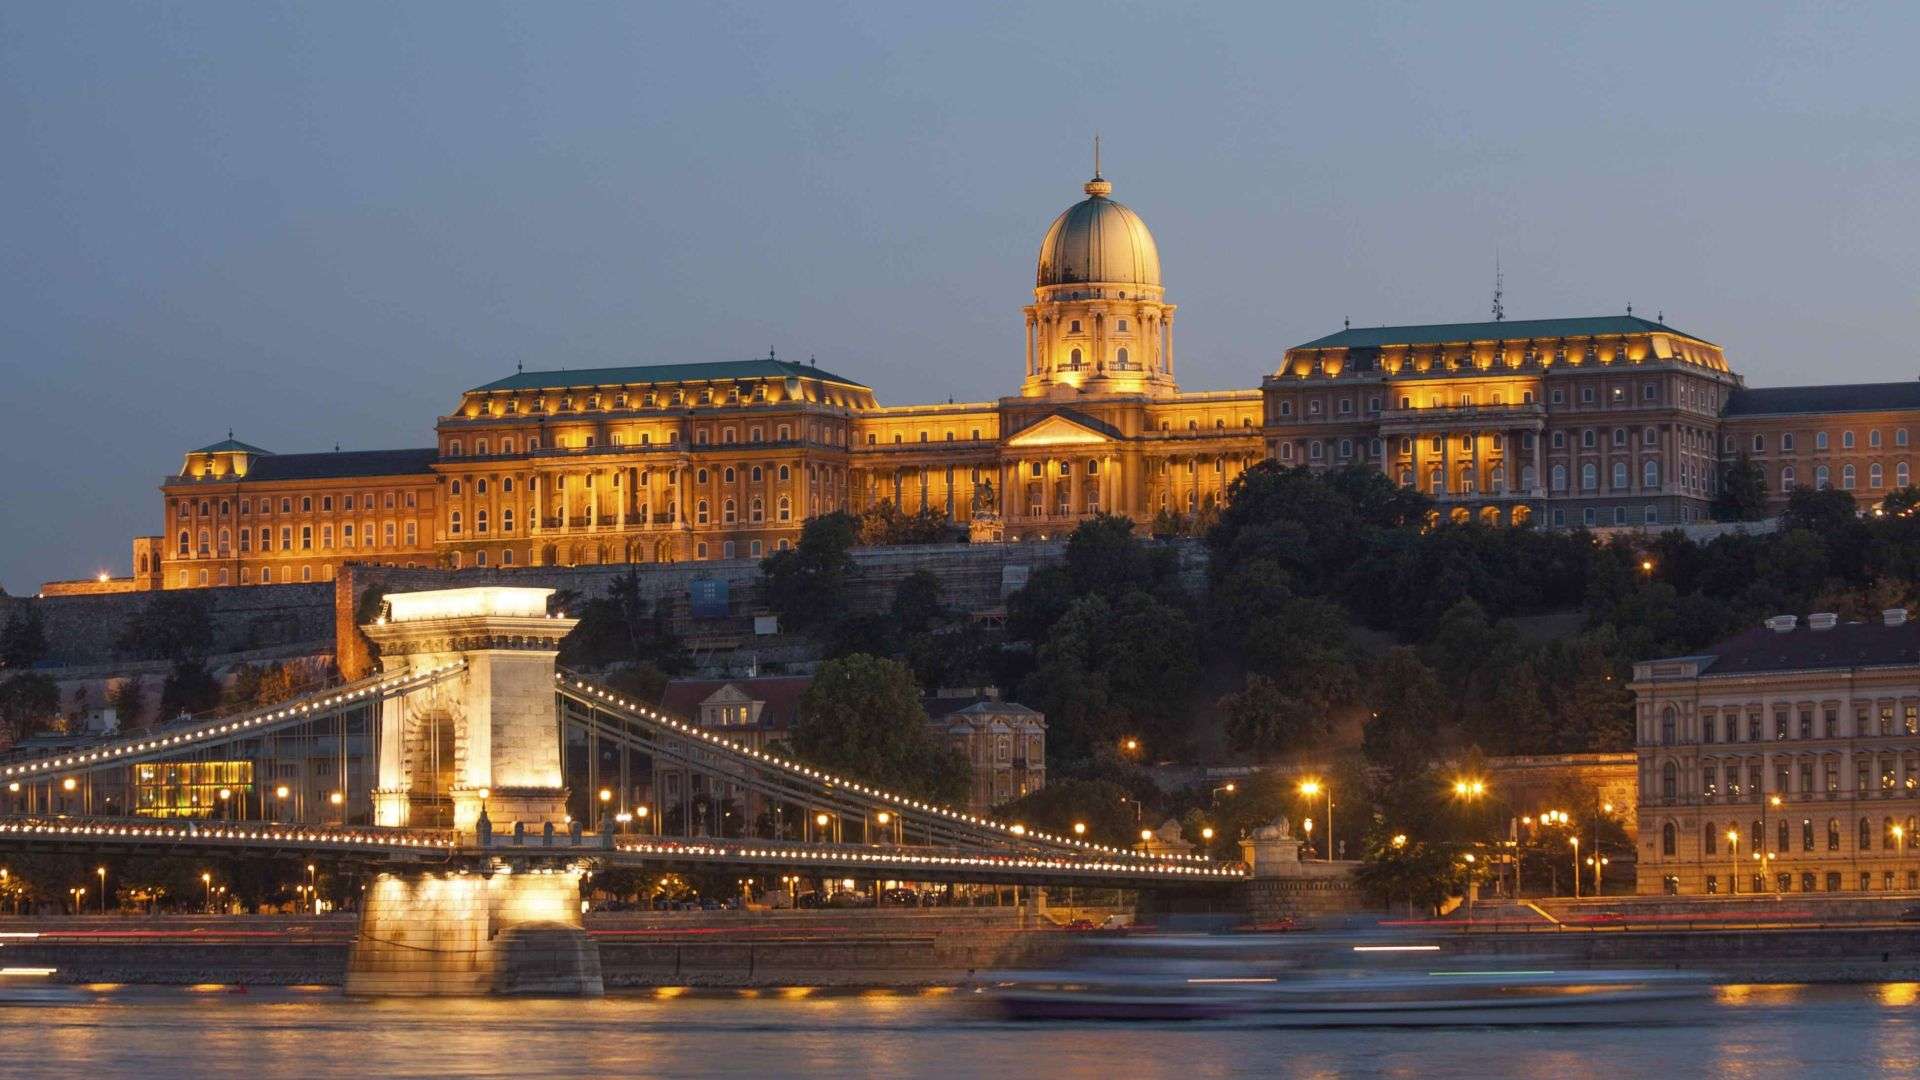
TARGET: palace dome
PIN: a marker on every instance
(1098, 240)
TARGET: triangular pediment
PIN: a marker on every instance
(729, 695)
(1060, 430)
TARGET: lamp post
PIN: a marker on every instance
(1575, 841)
(1310, 788)
(1733, 861)
(206, 880)
(226, 801)
(642, 813)
(102, 871)
(313, 886)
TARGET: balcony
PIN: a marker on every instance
(1528, 416)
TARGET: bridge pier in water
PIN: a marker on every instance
(480, 754)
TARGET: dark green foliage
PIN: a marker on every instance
(23, 642)
(1104, 807)
(1111, 670)
(623, 627)
(129, 701)
(806, 585)
(1743, 492)
(862, 717)
(190, 688)
(29, 705)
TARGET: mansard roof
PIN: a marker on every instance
(1846, 645)
(1849, 397)
(1362, 337)
(230, 445)
(766, 367)
(341, 463)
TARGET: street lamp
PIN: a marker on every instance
(313, 886)
(1575, 841)
(102, 871)
(1309, 788)
(1079, 828)
(1207, 833)
(641, 812)
(1733, 861)
(206, 880)
(1399, 840)
(226, 800)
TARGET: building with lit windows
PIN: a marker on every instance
(1595, 421)
(1784, 759)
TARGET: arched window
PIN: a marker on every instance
(1846, 477)
(1120, 357)
(728, 475)
(1619, 474)
(1820, 475)
(700, 512)
(1786, 478)
(1806, 834)
(785, 510)
(1073, 360)
(786, 472)
(1786, 837)
(1589, 477)
(1527, 478)
(1668, 720)
(1650, 474)
(1559, 475)
(1669, 781)
(1669, 840)
(1709, 839)
(1876, 477)
(727, 512)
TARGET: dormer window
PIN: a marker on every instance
(1120, 326)
(513, 406)
(1073, 327)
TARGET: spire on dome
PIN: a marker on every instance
(1098, 187)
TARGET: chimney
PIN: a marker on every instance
(1822, 620)
(1783, 624)
(1894, 616)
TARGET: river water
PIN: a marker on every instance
(1745, 1031)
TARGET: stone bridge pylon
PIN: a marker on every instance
(487, 744)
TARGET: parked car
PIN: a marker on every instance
(900, 898)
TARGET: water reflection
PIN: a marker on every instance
(1746, 1030)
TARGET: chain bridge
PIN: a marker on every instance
(482, 783)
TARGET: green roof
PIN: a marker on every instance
(664, 373)
(231, 445)
(1365, 337)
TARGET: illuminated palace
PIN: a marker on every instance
(1598, 421)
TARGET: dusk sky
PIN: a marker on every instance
(318, 224)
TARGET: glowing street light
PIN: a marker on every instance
(1206, 833)
(1079, 828)
(102, 871)
(1399, 840)
(1575, 841)
(1309, 788)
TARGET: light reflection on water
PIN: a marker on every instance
(1742, 1031)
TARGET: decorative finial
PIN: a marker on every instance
(1098, 187)
(1660, 316)
(1629, 307)
(229, 433)
(336, 448)
(770, 354)
(1346, 323)
(516, 366)
(1499, 309)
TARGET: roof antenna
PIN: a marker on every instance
(1499, 309)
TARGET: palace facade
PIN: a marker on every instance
(1595, 421)
(1786, 759)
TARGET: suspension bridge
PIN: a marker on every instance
(482, 782)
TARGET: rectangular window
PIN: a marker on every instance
(306, 538)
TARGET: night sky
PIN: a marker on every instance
(316, 225)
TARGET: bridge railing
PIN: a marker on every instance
(155, 745)
(160, 835)
(803, 783)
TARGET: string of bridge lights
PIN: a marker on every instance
(380, 686)
(898, 857)
(830, 780)
(381, 838)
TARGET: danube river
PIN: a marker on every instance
(1746, 1031)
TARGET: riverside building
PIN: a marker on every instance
(1786, 759)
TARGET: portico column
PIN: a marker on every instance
(1074, 504)
(625, 491)
(1446, 462)
(1419, 478)
(1539, 477)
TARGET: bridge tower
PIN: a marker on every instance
(485, 744)
(489, 740)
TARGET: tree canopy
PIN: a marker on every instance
(862, 717)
